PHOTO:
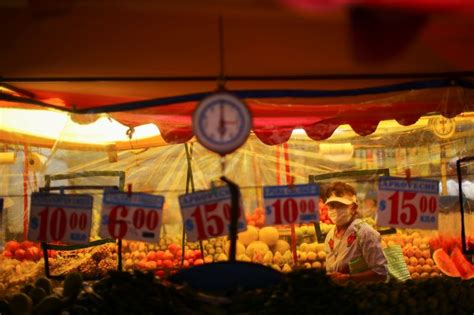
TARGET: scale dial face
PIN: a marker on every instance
(443, 127)
(222, 123)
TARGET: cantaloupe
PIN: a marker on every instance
(281, 247)
(248, 236)
(239, 248)
(445, 264)
(269, 235)
(257, 246)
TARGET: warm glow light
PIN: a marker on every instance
(58, 125)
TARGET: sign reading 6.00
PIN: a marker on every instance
(134, 216)
(408, 204)
(60, 218)
(289, 205)
(206, 214)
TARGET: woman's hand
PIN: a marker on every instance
(339, 278)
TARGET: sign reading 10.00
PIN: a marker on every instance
(60, 218)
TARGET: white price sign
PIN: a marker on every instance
(60, 218)
(408, 204)
(131, 216)
(206, 214)
(290, 205)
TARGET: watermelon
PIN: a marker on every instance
(465, 268)
(445, 264)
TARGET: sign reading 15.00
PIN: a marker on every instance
(289, 205)
(408, 204)
(60, 218)
(206, 214)
(134, 216)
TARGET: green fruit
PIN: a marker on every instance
(72, 285)
(27, 288)
(21, 304)
(45, 284)
(37, 294)
(49, 305)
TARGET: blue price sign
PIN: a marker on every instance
(60, 218)
(291, 204)
(408, 204)
(135, 216)
(206, 214)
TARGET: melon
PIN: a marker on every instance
(465, 268)
(269, 235)
(239, 248)
(445, 264)
(281, 247)
(248, 236)
(257, 247)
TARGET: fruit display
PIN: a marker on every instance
(91, 262)
(312, 255)
(416, 252)
(257, 218)
(307, 291)
(324, 214)
(25, 250)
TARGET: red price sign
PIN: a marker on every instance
(290, 205)
(134, 216)
(408, 204)
(60, 218)
(207, 214)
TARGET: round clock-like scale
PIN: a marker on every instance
(222, 123)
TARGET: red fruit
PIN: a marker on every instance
(20, 254)
(197, 254)
(159, 254)
(7, 254)
(167, 264)
(198, 262)
(52, 253)
(259, 211)
(142, 264)
(159, 263)
(151, 255)
(26, 244)
(173, 248)
(160, 273)
(191, 261)
(465, 268)
(185, 264)
(151, 265)
(251, 222)
(12, 246)
(168, 256)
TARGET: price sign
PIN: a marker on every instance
(289, 205)
(412, 204)
(206, 214)
(60, 218)
(135, 216)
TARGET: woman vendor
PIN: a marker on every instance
(353, 247)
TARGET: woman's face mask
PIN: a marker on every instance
(340, 215)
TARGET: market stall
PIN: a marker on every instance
(109, 193)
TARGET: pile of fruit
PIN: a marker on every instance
(306, 291)
(257, 218)
(15, 273)
(312, 255)
(25, 250)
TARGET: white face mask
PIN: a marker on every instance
(340, 216)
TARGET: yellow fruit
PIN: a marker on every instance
(302, 256)
(244, 258)
(269, 235)
(430, 262)
(418, 269)
(239, 248)
(411, 269)
(277, 258)
(281, 247)
(222, 257)
(319, 247)
(276, 267)
(288, 257)
(268, 258)
(322, 255)
(407, 260)
(256, 246)
(434, 274)
(424, 275)
(427, 268)
(307, 265)
(311, 230)
(311, 256)
(304, 247)
(248, 236)
(413, 261)
(286, 268)
(421, 261)
(316, 264)
(415, 275)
